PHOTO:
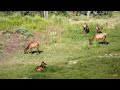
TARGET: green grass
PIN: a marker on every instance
(29, 22)
(95, 61)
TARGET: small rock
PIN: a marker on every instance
(110, 54)
(72, 62)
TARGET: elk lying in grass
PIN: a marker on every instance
(98, 36)
(98, 29)
(85, 28)
(31, 45)
(41, 67)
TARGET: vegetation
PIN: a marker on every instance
(63, 45)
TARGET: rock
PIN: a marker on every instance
(72, 62)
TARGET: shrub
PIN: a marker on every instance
(23, 31)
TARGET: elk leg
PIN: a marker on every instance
(90, 42)
(31, 50)
(25, 51)
(104, 40)
(38, 49)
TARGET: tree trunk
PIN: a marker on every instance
(55, 12)
(46, 14)
(88, 14)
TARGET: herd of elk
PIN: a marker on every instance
(31, 45)
(98, 36)
(41, 67)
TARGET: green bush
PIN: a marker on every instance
(23, 31)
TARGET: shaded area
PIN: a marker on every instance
(36, 52)
(104, 43)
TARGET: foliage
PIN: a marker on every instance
(16, 20)
(23, 31)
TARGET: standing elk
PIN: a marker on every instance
(31, 45)
(85, 28)
(98, 29)
(41, 67)
(98, 36)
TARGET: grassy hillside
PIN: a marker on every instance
(61, 41)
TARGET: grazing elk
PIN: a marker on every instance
(98, 29)
(41, 67)
(85, 28)
(98, 36)
(31, 45)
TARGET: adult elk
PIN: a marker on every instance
(98, 36)
(98, 29)
(85, 28)
(31, 45)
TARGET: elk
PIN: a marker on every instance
(98, 29)
(98, 36)
(31, 45)
(85, 28)
(41, 67)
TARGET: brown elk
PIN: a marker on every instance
(31, 45)
(41, 67)
(85, 28)
(98, 29)
(98, 36)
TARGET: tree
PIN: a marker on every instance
(46, 14)
(88, 14)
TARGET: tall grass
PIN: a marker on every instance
(30, 22)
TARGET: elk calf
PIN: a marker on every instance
(85, 28)
(41, 67)
(98, 36)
